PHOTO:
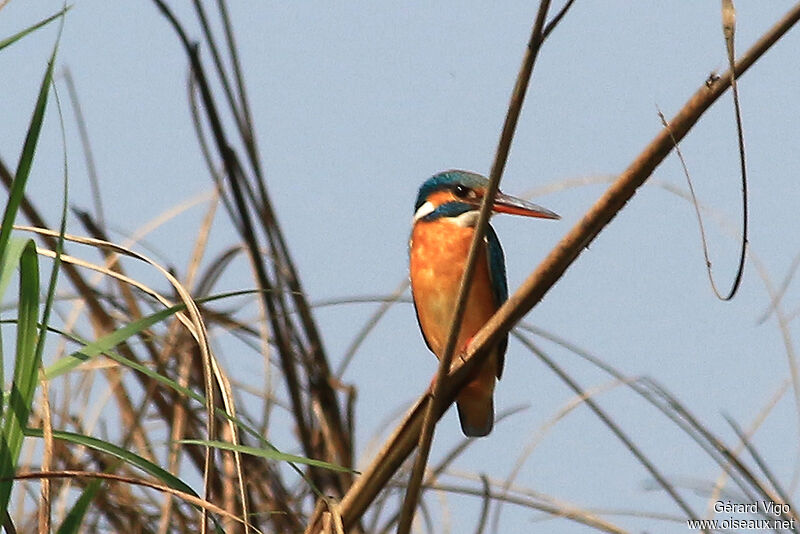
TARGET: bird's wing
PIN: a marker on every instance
(416, 311)
(497, 275)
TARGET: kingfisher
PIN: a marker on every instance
(445, 216)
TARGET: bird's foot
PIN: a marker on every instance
(462, 355)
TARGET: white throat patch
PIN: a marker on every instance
(466, 219)
(425, 209)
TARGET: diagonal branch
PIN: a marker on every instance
(404, 438)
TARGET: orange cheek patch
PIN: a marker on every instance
(441, 197)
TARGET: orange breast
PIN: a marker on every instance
(438, 256)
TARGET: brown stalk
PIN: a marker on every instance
(181, 347)
(86, 146)
(503, 148)
(404, 438)
(47, 458)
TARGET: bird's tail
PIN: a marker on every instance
(476, 413)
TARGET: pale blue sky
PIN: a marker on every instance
(356, 103)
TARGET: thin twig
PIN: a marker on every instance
(368, 326)
(83, 132)
(485, 505)
(550, 507)
(729, 32)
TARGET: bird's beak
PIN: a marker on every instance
(516, 206)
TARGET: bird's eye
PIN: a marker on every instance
(461, 191)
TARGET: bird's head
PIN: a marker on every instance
(456, 196)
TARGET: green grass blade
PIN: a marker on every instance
(62, 229)
(164, 476)
(17, 189)
(107, 342)
(26, 367)
(74, 519)
(26, 364)
(10, 262)
(16, 37)
(51, 287)
(2, 374)
(266, 453)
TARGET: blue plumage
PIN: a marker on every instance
(448, 180)
(497, 273)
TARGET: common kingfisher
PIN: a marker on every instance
(445, 216)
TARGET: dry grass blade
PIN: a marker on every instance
(781, 291)
(83, 132)
(485, 505)
(749, 484)
(551, 509)
(704, 242)
(719, 484)
(47, 456)
(609, 422)
(369, 325)
(729, 32)
(188, 497)
(541, 432)
(762, 465)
